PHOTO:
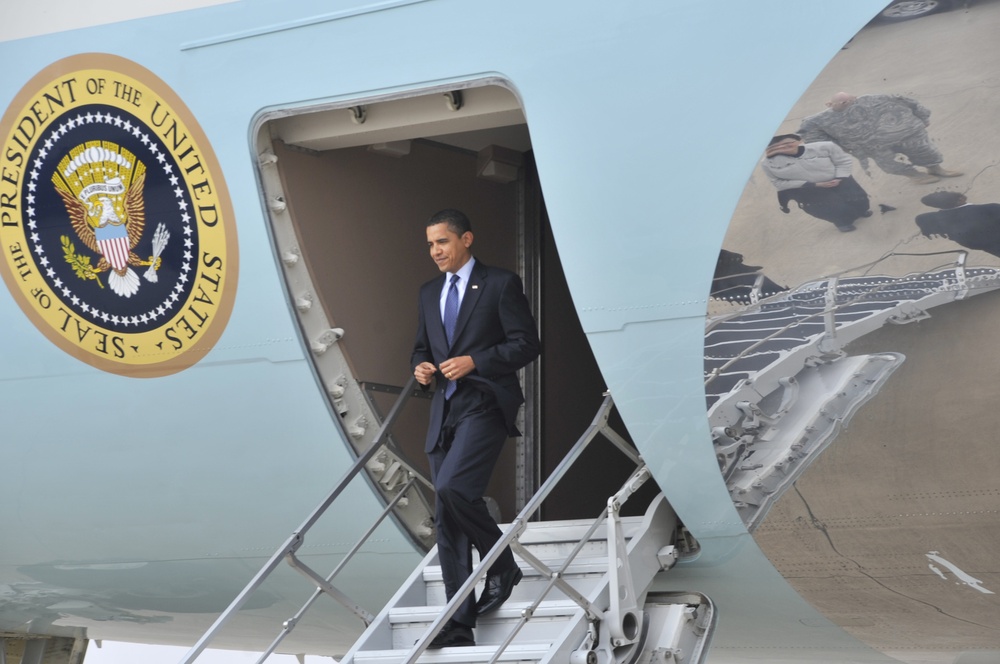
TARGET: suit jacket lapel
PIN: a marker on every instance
(477, 282)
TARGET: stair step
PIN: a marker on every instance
(581, 566)
(409, 624)
(552, 532)
(463, 655)
(426, 614)
(583, 575)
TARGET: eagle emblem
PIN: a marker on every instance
(101, 185)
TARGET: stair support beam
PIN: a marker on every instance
(329, 589)
(556, 579)
(624, 617)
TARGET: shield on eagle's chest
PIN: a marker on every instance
(113, 243)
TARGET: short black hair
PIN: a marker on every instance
(780, 137)
(457, 222)
(943, 200)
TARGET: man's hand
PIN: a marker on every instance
(424, 372)
(828, 184)
(457, 367)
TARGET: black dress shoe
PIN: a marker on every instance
(498, 589)
(451, 635)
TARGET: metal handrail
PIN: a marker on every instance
(863, 270)
(292, 544)
(518, 525)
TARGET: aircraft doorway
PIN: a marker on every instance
(348, 191)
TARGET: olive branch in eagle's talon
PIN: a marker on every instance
(80, 264)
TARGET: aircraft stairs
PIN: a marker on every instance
(586, 596)
(552, 615)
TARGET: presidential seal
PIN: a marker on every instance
(116, 227)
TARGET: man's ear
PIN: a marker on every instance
(467, 239)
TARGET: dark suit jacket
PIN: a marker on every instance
(495, 327)
(972, 226)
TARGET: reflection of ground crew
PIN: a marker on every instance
(880, 127)
(818, 177)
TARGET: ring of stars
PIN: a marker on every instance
(136, 130)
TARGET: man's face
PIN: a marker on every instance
(449, 251)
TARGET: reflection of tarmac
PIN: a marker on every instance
(948, 62)
(917, 469)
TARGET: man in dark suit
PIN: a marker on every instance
(972, 226)
(475, 332)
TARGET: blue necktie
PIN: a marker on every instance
(450, 319)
